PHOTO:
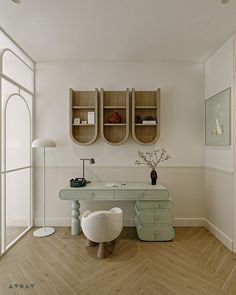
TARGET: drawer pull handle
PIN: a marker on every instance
(91, 195)
(155, 232)
(141, 195)
(156, 217)
(156, 205)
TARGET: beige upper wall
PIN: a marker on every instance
(182, 109)
(182, 121)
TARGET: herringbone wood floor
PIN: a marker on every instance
(194, 263)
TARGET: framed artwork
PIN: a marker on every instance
(218, 119)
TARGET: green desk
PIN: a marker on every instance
(153, 216)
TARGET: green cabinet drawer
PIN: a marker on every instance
(168, 204)
(93, 195)
(141, 195)
(86, 194)
(152, 217)
(160, 232)
(128, 194)
(101, 195)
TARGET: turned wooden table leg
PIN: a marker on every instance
(101, 250)
(75, 221)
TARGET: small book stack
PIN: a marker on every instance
(149, 122)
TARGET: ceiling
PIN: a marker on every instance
(119, 30)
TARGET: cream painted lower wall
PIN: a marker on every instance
(219, 199)
(185, 186)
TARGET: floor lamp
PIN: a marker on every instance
(43, 143)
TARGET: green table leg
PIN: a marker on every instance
(75, 221)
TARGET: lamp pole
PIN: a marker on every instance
(91, 161)
(44, 231)
(44, 188)
(83, 167)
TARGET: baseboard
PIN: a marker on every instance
(127, 222)
(189, 222)
(177, 222)
(219, 235)
(53, 221)
(67, 222)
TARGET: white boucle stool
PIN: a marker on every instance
(102, 227)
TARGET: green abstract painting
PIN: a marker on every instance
(218, 119)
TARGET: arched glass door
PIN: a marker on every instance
(17, 163)
(16, 93)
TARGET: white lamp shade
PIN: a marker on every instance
(43, 142)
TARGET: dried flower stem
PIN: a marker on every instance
(147, 158)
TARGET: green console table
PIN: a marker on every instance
(153, 216)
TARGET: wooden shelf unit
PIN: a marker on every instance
(115, 101)
(81, 102)
(82, 107)
(145, 103)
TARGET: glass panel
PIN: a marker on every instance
(14, 68)
(17, 203)
(18, 135)
(28, 98)
(16, 129)
(2, 220)
(7, 90)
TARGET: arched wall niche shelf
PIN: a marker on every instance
(115, 101)
(142, 119)
(145, 103)
(81, 104)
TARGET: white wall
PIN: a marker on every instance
(219, 70)
(182, 121)
(219, 76)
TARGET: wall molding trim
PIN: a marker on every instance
(36, 165)
(220, 170)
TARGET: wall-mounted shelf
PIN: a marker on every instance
(143, 125)
(145, 103)
(115, 107)
(115, 101)
(116, 125)
(146, 107)
(82, 102)
(83, 125)
(82, 107)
